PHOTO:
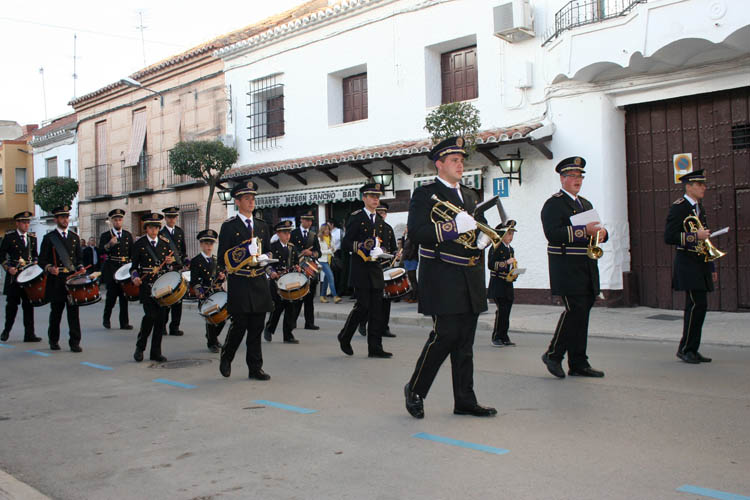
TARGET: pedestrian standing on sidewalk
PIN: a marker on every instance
(501, 262)
(326, 255)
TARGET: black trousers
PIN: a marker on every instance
(414, 288)
(176, 311)
(213, 332)
(386, 316)
(17, 297)
(252, 324)
(290, 311)
(696, 304)
(308, 301)
(154, 319)
(572, 331)
(502, 319)
(114, 292)
(55, 317)
(451, 334)
(368, 307)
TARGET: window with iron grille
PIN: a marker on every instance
(98, 225)
(741, 136)
(266, 106)
(51, 164)
(355, 98)
(458, 70)
(189, 223)
(21, 185)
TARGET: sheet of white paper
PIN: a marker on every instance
(585, 217)
(518, 271)
(723, 230)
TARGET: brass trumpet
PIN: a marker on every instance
(594, 251)
(510, 277)
(447, 211)
(692, 224)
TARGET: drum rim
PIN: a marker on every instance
(29, 268)
(129, 265)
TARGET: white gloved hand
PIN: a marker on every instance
(483, 241)
(262, 258)
(253, 247)
(376, 252)
(465, 222)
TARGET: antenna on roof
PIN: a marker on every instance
(44, 92)
(75, 57)
(141, 27)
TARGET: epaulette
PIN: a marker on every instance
(469, 187)
(583, 199)
(290, 244)
(163, 238)
(557, 194)
(356, 212)
(231, 218)
(258, 218)
(32, 235)
(10, 231)
(678, 200)
(427, 183)
(72, 232)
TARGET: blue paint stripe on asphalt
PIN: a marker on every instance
(40, 353)
(721, 495)
(94, 365)
(176, 384)
(284, 407)
(8, 346)
(464, 444)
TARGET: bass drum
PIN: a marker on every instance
(33, 281)
(83, 290)
(169, 288)
(293, 286)
(214, 309)
(130, 289)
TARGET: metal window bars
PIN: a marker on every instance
(189, 214)
(578, 13)
(95, 179)
(741, 136)
(266, 105)
(135, 178)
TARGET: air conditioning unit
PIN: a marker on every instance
(227, 140)
(514, 21)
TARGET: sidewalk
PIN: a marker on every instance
(636, 323)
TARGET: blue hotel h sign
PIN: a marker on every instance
(500, 187)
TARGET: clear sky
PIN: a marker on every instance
(39, 34)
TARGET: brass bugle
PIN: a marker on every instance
(443, 209)
(594, 251)
(692, 224)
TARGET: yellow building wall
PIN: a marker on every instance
(12, 156)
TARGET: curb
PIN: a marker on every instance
(14, 489)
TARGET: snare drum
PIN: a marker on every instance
(169, 288)
(310, 267)
(293, 286)
(214, 308)
(33, 281)
(190, 296)
(129, 289)
(397, 283)
(82, 290)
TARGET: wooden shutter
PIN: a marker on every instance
(275, 116)
(101, 143)
(355, 98)
(459, 75)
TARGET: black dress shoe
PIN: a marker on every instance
(259, 375)
(497, 343)
(586, 371)
(554, 367)
(379, 354)
(32, 339)
(291, 341)
(312, 327)
(138, 355)
(214, 348)
(508, 343)
(689, 357)
(362, 329)
(159, 359)
(477, 411)
(225, 367)
(267, 334)
(177, 333)
(126, 327)
(414, 403)
(54, 347)
(75, 348)
(345, 346)
(4, 336)
(107, 324)
(388, 333)
(702, 358)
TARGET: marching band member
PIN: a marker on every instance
(17, 249)
(451, 282)
(204, 277)
(500, 261)
(287, 254)
(60, 256)
(116, 244)
(150, 253)
(306, 241)
(176, 238)
(364, 232)
(248, 293)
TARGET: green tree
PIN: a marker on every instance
(206, 160)
(454, 119)
(54, 192)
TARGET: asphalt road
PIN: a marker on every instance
(651, 426)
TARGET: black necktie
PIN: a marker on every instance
(153, 244)
(118, 235)
(580, 205)
(372, 218)
(249, 223)
(65, 235)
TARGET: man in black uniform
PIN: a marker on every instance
(572, 274)
(389, 245)
(451, 282)
(286, 253)
(500, 262)
(150, 256)
(117, 245)
(249, 295)
(306, 241)
(205, 279)
(176, 238)
(691, 271)
(17, 250)
(61, 256)
(365, 230)
(91, 259)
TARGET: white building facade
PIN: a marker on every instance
(321, 103)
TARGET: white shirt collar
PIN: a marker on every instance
(154, 240)
(61, 230)
(244, 219)
(22, 235)
(457, 187)
(207, 257)
(692, 201)
(369, 214)
(569, 194)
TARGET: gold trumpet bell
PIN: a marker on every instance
(712, 253)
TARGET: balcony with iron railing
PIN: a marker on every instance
(135, 178)
(96, 182)
(177, 181)
(578, 13)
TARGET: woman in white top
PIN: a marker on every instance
(326, 254)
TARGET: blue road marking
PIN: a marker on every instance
(284, 407)
(94, 365)
(176, 384)
(721, 495)
(8, 346)
(464, 444)
(40, 353)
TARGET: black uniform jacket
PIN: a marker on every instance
(116, 256)
(247, 292)
(88, 259)
(571, 272)
(178, 239)
(202, 273)
(143, 262)
(56, 291)
(311, 242)
(389, 245)
(365, 273)
(12, 250)
(451, 276)
(499, 288)
(690, 271)
(288, 257)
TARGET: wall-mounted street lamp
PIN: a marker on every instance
(129, 82)
(226, 197)
(385, 177)
(511, 166)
